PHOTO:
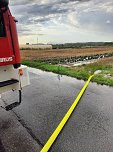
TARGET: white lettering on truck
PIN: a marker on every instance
(8, 59)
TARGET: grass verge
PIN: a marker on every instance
(81, 72)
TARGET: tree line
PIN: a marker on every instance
(82, 45)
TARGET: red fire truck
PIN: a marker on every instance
(13, 75)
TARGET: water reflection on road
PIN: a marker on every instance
(46, 101)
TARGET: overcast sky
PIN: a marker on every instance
(63, 21)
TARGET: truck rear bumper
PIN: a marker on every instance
(11, 79)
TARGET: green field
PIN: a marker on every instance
(80, 72)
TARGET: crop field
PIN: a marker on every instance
(39, 59)
(56, 53)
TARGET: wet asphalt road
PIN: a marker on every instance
(47, 99)
(1, 147)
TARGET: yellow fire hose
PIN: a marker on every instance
(65, 119)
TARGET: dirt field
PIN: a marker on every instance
(44, 54)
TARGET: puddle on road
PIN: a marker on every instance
(33, 75)
(37, 73)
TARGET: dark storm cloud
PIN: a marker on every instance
(21, 2)
(24, 2)
(39, 8)
(41, 11)
(92, 14)
(36, 12)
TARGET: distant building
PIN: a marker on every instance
(36, 46)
